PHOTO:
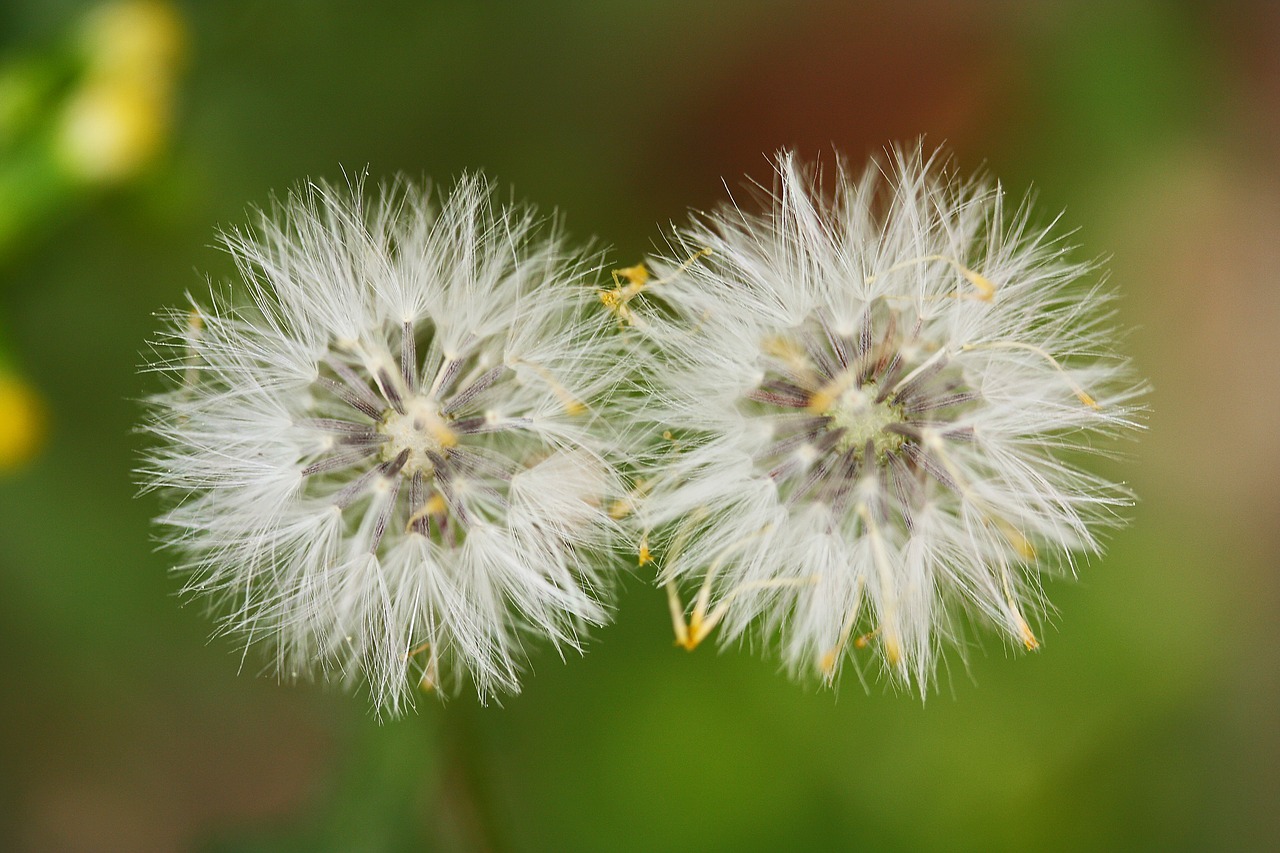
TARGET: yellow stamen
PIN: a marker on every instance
(1020, 543)
(701, 624)
(986, 290)
(677, 616)
(1080, 393)
(689, 637)
(636, 279)
(1028, 639)
(417, 650)
(435, 506)
(431, 673)
(892, 649)
(624, 506)
(704, 252)
(788, 351)
(195, 332)
(1024, 630)
(827, 665)
(889, 609)
(572, 405)
(444, 436)
(825, 397)
(704, 594)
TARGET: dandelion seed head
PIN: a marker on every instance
(876, 392)
(384, 462)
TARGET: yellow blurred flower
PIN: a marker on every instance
(111, 129)
(118, 119)
(22, 421)
(138, 37)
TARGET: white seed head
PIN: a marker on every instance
(870, 402)
(386, 460)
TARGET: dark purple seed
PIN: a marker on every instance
(340, 460)
(351, 398)
(408, 357)
(473, 390)
(390, 391)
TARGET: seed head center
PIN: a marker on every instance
(861, 419)
(421, 430)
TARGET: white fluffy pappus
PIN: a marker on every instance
(388, 463)
(872, 401)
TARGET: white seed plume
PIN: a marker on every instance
(871, 404)
(387, 462)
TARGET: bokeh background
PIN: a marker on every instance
(1148, 720)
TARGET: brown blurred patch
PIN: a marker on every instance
(169, 775)
(1203, 229)
(1250, 39)
(852, 77)
(1199, 227)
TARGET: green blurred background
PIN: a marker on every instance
(1147, 721)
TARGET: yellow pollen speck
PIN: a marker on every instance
(644, 557)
